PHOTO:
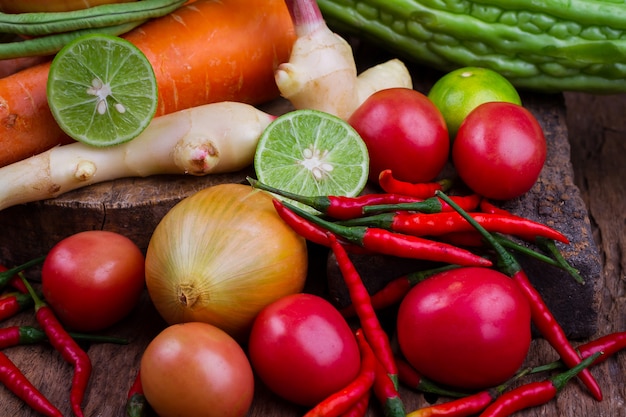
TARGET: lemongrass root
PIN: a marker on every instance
(213, 138)
(389, 74)
(321, 72)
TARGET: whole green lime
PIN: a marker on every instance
(459, 92)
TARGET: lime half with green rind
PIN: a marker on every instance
(312, 153)
(102, 90)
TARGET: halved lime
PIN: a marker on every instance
(102, 90)
(312, 153)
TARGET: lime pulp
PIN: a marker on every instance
(312, 153)
(102, 90)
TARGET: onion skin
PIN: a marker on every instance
(220, 255)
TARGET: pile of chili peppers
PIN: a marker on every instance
(20, 296)
(420, 221)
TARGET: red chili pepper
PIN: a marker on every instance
(534, 393)
(343, 400)
(308, 230)
(61, 340)
(136, 403)
(375, 334)
(20, 335)
(429, 205)
(461, 407)
(412, 379)
(541, 315)
(395, 244)
(7, 274)
(338, 207)
(465, 405)
(386, 391)
(609, 345)
(18, 285)
(343, 208)
(487, 207)
(420, 224)
(12, 378)
(359, 409)
(13, 303)
(15, 281)
(552, 331)
(406, 246)
(396, 289)
(390, 294)
(392, 185)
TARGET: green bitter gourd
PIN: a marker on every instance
(549, 45)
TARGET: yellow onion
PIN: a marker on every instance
(220, 255)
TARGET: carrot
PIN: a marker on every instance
(11, 66)
(206, 51)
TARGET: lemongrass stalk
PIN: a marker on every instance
(213, 138)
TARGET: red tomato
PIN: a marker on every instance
(302, 349)
(93, 279)
(499, 150)
(196, 369)
(468, 328)
(405, 132)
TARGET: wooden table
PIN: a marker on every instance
(596, 130)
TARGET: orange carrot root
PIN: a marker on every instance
(204, 52)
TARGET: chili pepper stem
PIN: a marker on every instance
(5, 276)
(319, 203)
(561, 379)
(561, 264)
(38, 301)
(550, 246)
(429, 205)
(96, 338)
(136, 403)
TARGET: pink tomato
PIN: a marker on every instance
(405, 132)
(196, 369)
(499, 150)
(93, 279)
(468, 327)
(303, 349)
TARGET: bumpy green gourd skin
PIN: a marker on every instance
(549, 45)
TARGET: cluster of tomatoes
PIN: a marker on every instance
(496, 145)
